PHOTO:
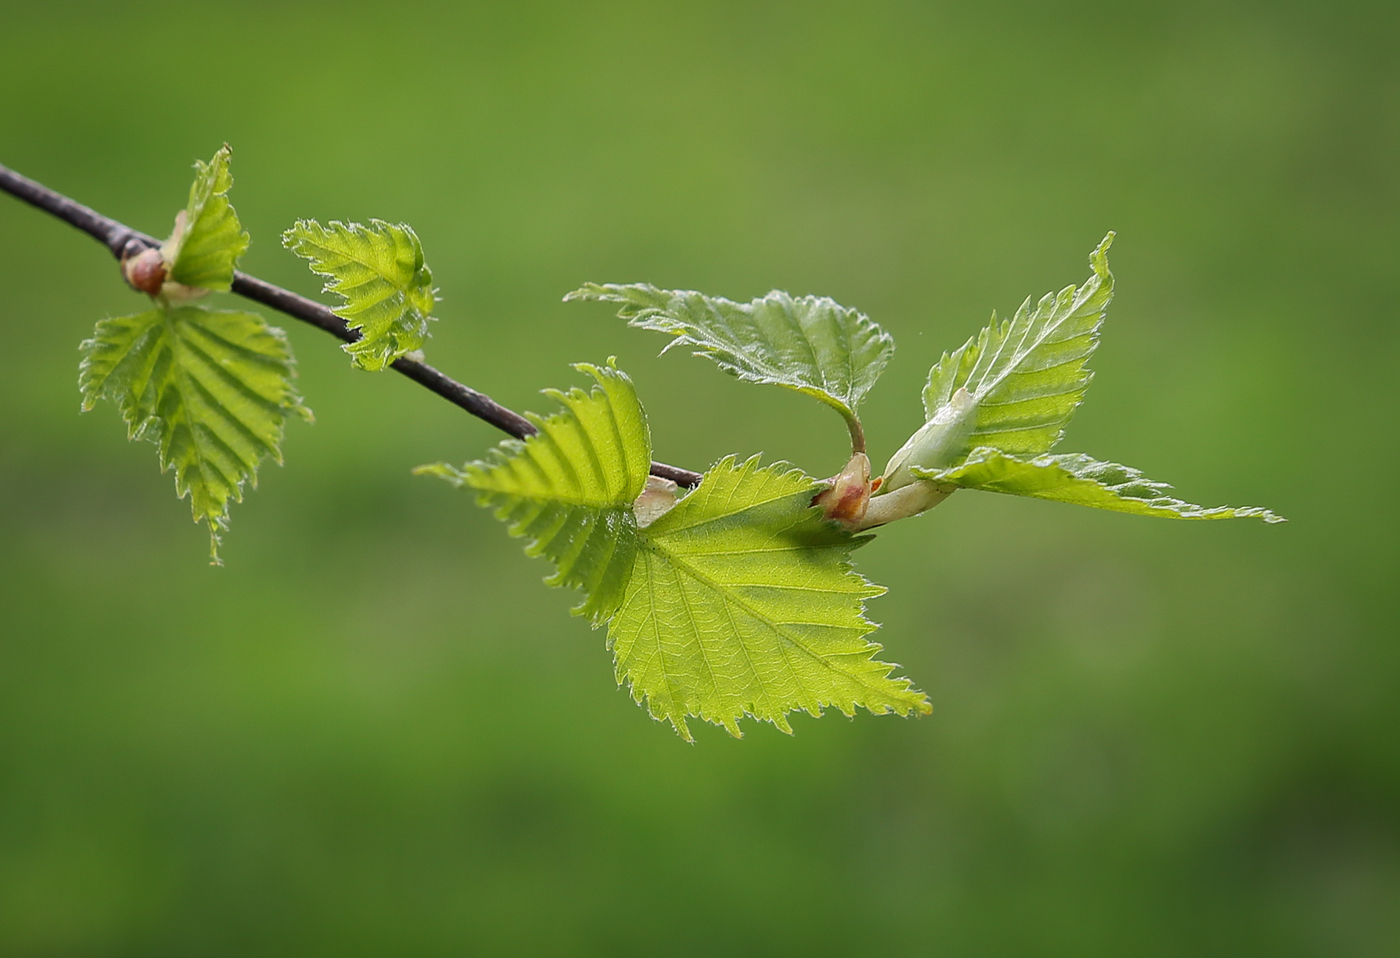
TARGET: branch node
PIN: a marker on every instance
(144, 271)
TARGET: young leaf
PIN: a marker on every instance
(1075, 478)
(379, 271)
(1015, 384)
(743, 601)
(210, 388)
(807, 343)
(570, 487)
(207, 240)
(738, 599)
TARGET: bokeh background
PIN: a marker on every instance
(374, 732)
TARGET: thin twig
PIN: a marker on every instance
(124, 241)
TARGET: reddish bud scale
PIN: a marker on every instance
(849, 496)
(145, 271)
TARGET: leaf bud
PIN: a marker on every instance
(658, 498)
(849, 494)
(904, 502)
(145, 271)
(936, 445)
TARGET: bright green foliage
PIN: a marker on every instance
(569, 488)
(379, 271)
(807, 343)
(735, 599)
(739, 600)
(1015, 385)
(210, 388)
(743, 601)
(1077, 479)
(1001, 401)
(208, 239)
(1028, 374)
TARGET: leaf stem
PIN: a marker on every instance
(856, 430)
(123, 242)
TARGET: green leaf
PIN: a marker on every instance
(569, 489)
(738, 600)
(1015, 385)
(743, 601)
(379, 271)
(807, 343)
(207, 240)
(210, 388)
(1078, 479)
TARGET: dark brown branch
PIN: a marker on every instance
(124, 241)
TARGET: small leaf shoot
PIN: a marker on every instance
(378, 271)
(207, 240)
(1015, 385)
(808, 343)
(211, 388)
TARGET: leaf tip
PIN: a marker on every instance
(443, 471)
(586, 293)
(215, 524)
(679, 724)
(1098, 259)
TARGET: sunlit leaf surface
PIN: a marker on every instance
(211, 388)
(379, 271)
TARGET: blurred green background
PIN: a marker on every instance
(373, 732)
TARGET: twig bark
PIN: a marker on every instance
(123, 241)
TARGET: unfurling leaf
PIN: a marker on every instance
(807, 343)
(1077, 479)
(210, 388)
(207, 240)
(379, 271)
(570, 487)
(1015, 384)
(743, 601)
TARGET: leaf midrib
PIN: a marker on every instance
(1046, 329)
(651, 545)
(372, 267)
